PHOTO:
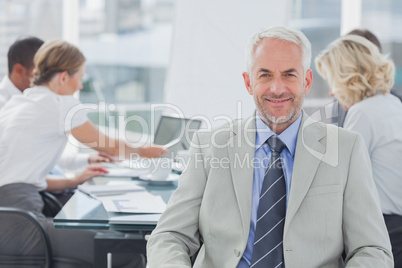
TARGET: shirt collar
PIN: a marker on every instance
(9, 87)
(288, 136)
(39, 89)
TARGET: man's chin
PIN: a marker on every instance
(279, 120)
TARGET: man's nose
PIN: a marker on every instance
(277, 86)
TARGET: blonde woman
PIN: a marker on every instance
(361, 78)
(338, 110)
(33, 128)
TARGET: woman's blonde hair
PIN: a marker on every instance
(54, 57)
(354, 69)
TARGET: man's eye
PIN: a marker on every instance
(264, 75)
(290, 75)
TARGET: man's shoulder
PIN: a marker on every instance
(229, 127)
(225, 134)
(328, 130)
(3, 101)
(4, 93)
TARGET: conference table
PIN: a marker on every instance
(83, 211)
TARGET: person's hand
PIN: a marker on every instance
(152, 151)
(100, 157)
(91, 171)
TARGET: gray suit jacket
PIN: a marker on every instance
(333, 204)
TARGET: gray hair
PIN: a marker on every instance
(284, 34)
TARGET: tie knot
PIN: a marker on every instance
(276, 144)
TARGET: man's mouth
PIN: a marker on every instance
(279, 101)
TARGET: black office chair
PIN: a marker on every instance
(28, 261)
(47, 260)
(52, 205)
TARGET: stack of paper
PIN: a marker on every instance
(107, 189)
(133, 202)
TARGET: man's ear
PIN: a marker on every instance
(247, 83)
(308, 81)
(19, 69)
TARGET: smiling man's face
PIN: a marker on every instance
(278, 82)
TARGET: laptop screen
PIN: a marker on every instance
(174, 127)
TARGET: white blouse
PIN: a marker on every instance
(33, 134)
(379, 120)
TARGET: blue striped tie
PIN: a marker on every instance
(268, 248)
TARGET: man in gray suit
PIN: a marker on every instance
(329, 199)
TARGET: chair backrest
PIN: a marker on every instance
(28, 261)
(52, 205)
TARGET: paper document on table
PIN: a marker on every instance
(137, 202)
(126, 172)
(107, 189)
(141, 219)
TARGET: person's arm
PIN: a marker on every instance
(365, 235)
(99, 158)
(176, 236)
(64, 184)
(89, 135)
(73, 160)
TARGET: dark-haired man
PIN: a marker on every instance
(20, 67)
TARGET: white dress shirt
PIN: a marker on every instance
(33, 129)
(379, 120)
(7, 90)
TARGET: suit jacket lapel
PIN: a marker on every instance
(241, 154)
(309, 152)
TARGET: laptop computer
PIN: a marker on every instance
(176, 130)
(173, 132)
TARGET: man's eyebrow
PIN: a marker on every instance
(263, 70)
(292, 70)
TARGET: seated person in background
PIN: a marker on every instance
(20, 73)
(338, 110)
(276, 189)
(20, 67)
(361, 78)
(33, 128)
